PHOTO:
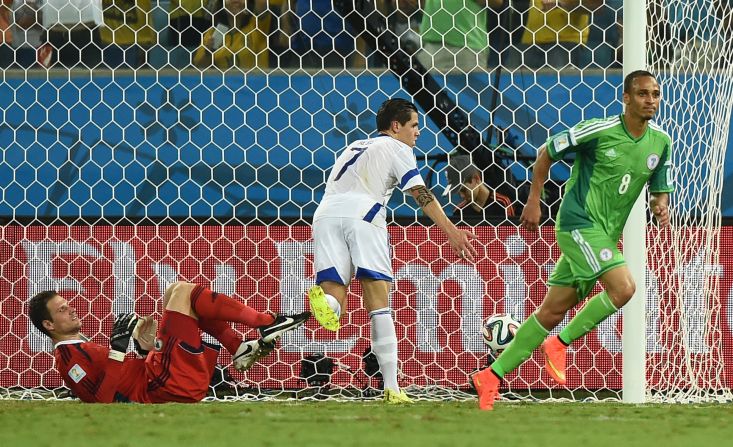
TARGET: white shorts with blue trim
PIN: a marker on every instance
(344, 247)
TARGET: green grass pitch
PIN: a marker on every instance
(453, 424)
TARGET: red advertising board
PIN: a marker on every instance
(439, 301)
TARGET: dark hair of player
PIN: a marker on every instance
(629, 80)
(398, 109)
(38, 309)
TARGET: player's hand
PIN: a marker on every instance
(143, 335)
(661, 213)
(531, 215)
(122, 331)
(460, 242)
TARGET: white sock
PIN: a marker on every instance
(334, 303)
(384, 346)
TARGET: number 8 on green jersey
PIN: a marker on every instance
(609, 172)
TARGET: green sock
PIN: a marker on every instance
(595, 310)
(528, 337)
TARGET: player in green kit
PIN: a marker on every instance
(614, 158)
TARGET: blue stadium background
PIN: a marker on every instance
(202, 146)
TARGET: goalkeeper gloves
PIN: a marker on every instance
(121, 333)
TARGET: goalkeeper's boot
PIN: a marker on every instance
(392, 397)
(265, 348)
(554, 352)
(281, 325)
(246, 355)
(322, 310)
(487, 387)
(249, 352)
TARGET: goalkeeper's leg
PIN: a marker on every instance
(222, 332)
(202, 302)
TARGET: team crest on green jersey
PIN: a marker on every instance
(606, 254)
(652, 161)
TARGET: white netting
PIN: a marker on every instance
(688, 344)
(184, 163)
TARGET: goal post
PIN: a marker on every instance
(634, 237)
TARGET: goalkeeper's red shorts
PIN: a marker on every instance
(180, 368)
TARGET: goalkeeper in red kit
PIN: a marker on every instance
(177, 365)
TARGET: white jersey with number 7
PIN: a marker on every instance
(364, 176)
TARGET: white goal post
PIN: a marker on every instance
(634, 352)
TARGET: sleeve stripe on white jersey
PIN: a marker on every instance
(575, 135)
(408, 176)
(372, 213)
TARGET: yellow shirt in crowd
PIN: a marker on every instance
(127, 22)
(193, 8)
(243, 48)
(556, 25)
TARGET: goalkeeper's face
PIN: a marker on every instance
(408, 132)
(64, 320)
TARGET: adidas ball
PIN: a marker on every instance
(498, 331)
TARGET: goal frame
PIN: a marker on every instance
(634, 312)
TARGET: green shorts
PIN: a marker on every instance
(587, 254)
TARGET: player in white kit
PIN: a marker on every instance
(350, 230)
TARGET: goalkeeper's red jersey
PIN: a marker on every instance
(179, 370)
(94, 377)
(180, 373)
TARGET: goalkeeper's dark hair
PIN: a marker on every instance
(38, 309)
(398, 109)
(631, 77)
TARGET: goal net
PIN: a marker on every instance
(152, 142)
(689, 316)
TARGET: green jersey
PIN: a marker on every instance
(610, 170)
(458, 23)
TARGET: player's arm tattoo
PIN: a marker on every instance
(422, 195)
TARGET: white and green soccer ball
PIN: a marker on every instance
(498, 331)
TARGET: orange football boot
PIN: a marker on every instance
(487, 386)
(554, 352)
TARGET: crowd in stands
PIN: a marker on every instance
(463, 35)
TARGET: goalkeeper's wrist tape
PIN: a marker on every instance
(116, 355)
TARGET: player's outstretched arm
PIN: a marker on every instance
(459, 240)
(532, 212)
(659, 204)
